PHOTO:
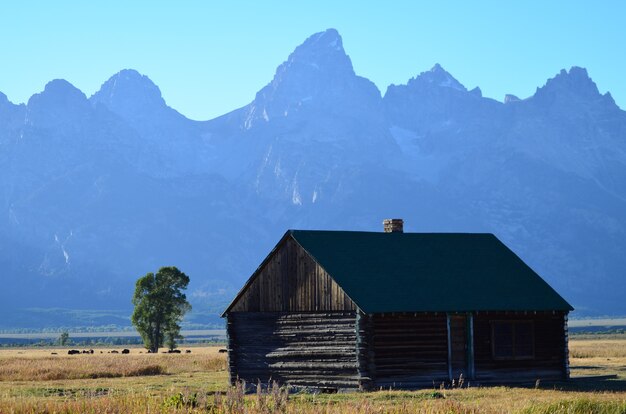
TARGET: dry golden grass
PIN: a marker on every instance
(41, 365)
(197, 383)
(598, 348)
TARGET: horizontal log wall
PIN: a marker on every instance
(291, 280)
(301, 349)
(407, 350)
(549, 349)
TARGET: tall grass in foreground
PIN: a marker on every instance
(581, 405)
(276, 400)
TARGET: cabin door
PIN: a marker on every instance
(460, 346)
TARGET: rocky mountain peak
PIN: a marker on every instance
(319, 56)
(59, 102)
(437, 77)
(326, 42)
(317, 73)
(129, 93)
(60, 92)
(576, 82)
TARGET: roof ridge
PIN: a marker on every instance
(382, 232)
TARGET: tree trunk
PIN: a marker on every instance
(155, 341)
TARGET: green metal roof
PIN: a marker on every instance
(429, 272)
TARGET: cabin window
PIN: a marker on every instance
(512, 339)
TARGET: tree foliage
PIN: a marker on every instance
(160, 305)
(64, 339)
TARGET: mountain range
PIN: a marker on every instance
(97, 191)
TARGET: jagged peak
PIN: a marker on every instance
(476, 92)
(320, 52)
(438, 69)
(62, 87)
(438, 76)
(576, 81)
(127, 88)
(328, 40)
(59, 92)
(575, 72)
(134, 78)
(317, 72)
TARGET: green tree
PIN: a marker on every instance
(172, 336)
(160, 305)
(64, 339)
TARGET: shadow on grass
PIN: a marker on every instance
(600, 383)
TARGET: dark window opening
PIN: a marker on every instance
(513, 340)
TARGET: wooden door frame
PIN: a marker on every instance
(469, 320)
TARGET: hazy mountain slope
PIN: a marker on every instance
(82, 218)
(96, 192)
(171, 144)
(544, 173)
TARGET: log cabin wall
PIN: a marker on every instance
(291, 281)
(548, 360)
(313, 349)
(294, 324)
(403, 350)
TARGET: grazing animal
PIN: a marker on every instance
(125, 351)
(174, 351)
(91, 351)
(54, 353)
(114, 352)
(73, 352)
(222, 351)
(188, 351)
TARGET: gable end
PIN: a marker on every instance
(290, 280)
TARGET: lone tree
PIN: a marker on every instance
(64, 339)
(160, 305)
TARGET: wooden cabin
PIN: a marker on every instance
(363, 310)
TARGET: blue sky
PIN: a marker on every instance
(211, 57)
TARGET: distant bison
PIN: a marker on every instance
(114, 352)
(188, 351)
(125, 351)
(222, 351)
(174, 351)
(73, 352)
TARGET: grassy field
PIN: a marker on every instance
(35, 381)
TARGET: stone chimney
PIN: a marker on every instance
(393, 225)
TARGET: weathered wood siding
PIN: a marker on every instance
(548, 362)
(302, 349)
(291, 281)
(403, 351)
